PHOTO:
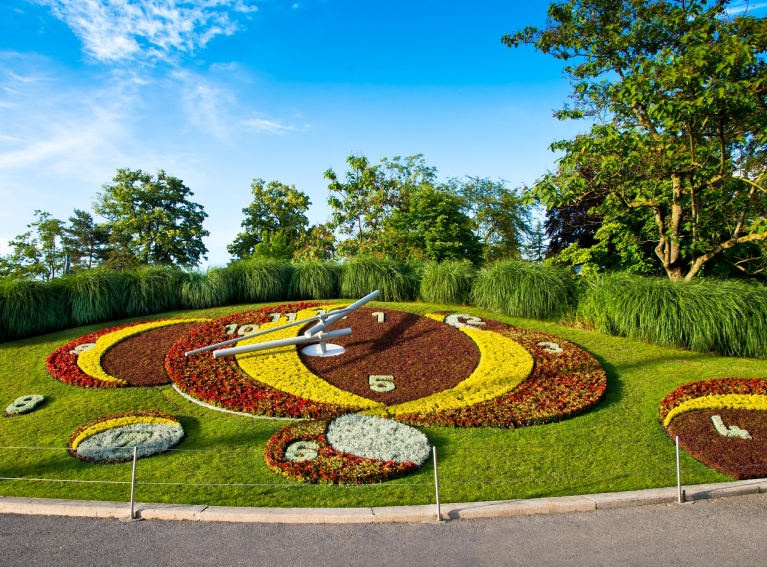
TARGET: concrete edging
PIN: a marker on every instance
(425, 513)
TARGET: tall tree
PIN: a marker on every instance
(319, 243)
(38, 253)
(151, 218)
(676, 93)
(275, 208)
(84, 240)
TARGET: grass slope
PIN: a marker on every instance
(617, 446)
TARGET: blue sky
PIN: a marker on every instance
(218, 92)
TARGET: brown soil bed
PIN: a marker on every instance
(738, 458)
(140, 359)
(423, 355)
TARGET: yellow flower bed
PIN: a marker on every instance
(118, 422)
(503, 365)
(90, 360)
(719, 401)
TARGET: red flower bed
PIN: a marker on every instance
(329, 466)
(712, 387)
(221, 382)
(561, 385)
(62, 364)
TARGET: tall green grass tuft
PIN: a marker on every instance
(395, 280)
(704, 315)
(29, 308)
(200, 290)
(449, 282)
(313, 280)
(151, 290)
(524, 289)
(92, 296)
(259, 280)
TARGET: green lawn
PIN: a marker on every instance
(619, 445)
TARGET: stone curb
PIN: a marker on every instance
(426, 513)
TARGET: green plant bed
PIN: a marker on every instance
(618, 445)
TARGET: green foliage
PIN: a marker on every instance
(275, 208)
(275, 245)
(524, 289)
(93, 296)
(257, 280)
(151, 218)
(447, 282)
(705, 315)
(84, 240)
(200, 290)
(150, 290)
(673, 93)
(396, 280)
(318, 243)
(313, 280)
(37, 253)
(29, 308)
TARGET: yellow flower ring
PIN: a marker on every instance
(721, 422)
(277, 382)
(79, 362)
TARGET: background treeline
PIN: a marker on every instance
(707, 315)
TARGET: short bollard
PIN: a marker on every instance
(436, 483)
(133, 485)
(679, 494)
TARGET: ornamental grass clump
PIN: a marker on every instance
(524, 289)
(447, 282)
(200, 290)
(93, 296)
(704, 315)
(151, 290)
(258, 280)
(360, 276)
(313, 280)
(29, 308)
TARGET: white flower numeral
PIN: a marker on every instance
(381, 383)
(553, 348)
(232, 328)
(470, 323)
(82, 348)
(247, 329)
(275, 317)
(731, 431)
(379, 315)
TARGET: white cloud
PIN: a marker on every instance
(114, 30)
(744, 7)
(260, 125)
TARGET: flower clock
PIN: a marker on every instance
(721, 422)
(360, 410)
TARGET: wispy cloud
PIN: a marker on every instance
(116, 30)
(261, 125)
(740, 8)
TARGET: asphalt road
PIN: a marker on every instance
(720, 532)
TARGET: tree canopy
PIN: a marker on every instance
(38, 253)
(675, 94)
(151, 219)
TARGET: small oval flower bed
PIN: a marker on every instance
(734, 393)
(304, 453)
(23, 404)
(561, 385)
(78, 363)
(111, 438)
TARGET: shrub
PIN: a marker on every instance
(395, 280)
(524, 289)
(93, 296)
(259, 280)
(29, 308)
(313, 280)
(151, 290)
(705, 315)
(449, 282)
(200, 290)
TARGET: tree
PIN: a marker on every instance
(37, 253)
(433, 227)
(275, 208)
(151, 218)
(534, 248)
(500, 219)
(318, 243)
(85, 241)
(368, 197)
(675, 91)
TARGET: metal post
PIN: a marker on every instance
(436, 483)
(678, 474)
(133, 483)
